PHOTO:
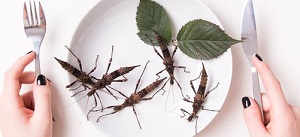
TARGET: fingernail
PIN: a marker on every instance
(246, 102)
(28, 52)
(41, 80)
(258, 57)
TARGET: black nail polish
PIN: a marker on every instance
(28, 52)
(41, 80)
(246, 102)
(258, 57)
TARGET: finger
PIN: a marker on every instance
(12, 84)
(265, 102)
(28, 100)
(27, 77)
(252, 117)
(266, 108)
(267, 118)
(41, 93)
(272, 85)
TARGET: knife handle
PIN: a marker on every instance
(256, 91)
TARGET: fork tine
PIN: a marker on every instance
(42, 16)
(35, 15)
(25, 16)
(31, 14)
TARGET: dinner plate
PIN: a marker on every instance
(112, 23)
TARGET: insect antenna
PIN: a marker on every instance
(171, 91)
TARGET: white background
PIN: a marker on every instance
(278, 34)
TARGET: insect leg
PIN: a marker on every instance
(94, 78)
(118, 91)
(156, 51)
(184, 112)
(174, 51)
(163, 86)
(184, 68)
(99, 100)
(84, 89)
(111, 93)
(78, 60)
(180, 88)
(157, 74)
(110, 60)
(211, 90)
(139, 80)
(136, 117)
(192, 85)
(210, 109)
(196, 124)
(68, 86)
(121, 80)
(96, 110)
(95, 66)
(105, 115)
(76, 88)
(82, 84)
(145, 99)
(95, 101)
(187, 100)
(77, 92)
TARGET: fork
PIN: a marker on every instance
(35, 29)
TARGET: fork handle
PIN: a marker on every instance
(37, 60)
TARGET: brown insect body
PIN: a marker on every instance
(107, 79)
(80, 75)
(135, 97)
(168, 61)
(199, 97)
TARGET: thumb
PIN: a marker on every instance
(252, 117)
(41, 93)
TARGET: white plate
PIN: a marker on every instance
(112, 22)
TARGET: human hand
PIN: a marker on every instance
(27, 115)
(281, 119)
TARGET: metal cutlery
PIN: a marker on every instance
(250, 47)
(35, 29)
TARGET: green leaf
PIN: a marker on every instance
(152, 20)
(203, 40)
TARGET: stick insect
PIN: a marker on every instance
(81, 76)
(106, 80)
(168, 61)
(199, 98)
(135, 97)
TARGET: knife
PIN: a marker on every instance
(250, 48)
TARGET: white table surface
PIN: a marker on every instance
(278, 34)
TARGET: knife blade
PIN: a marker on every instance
(250, 47)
